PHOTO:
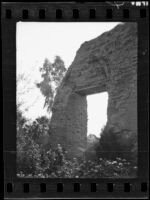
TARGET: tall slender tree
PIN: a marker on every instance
(52, 74)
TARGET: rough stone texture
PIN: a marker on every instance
(106, 63)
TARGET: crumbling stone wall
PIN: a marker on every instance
(106, 63)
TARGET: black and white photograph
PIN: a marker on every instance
(76, 99)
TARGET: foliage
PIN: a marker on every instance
(28, 145)
(52, 74)
(117, 144)
(34, 159)
(25, 87)
(38, 128)
(21, 120)
(53, 164)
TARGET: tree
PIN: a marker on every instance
(25, 87)
(52, 74)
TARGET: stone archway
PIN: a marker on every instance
(106, 63)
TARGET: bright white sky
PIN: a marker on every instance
(37, 41)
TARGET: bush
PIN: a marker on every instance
(118, 144)
(55, 165)
(35, 160)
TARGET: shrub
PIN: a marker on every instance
(118, 144)
(53, 164)
(34, 160)
(104, 168)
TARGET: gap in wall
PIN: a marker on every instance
(97, 113)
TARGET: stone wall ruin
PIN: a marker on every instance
(106, 63)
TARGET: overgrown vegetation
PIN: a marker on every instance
(118, 143)
(36, 158)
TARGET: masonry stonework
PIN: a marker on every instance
(106, 63)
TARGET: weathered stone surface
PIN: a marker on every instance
(106, 63)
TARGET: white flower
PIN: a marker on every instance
(120, 164)
(114, 162)
(108, 162)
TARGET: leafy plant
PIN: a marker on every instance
(52, 74)
(35, 160)
(114, 144)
